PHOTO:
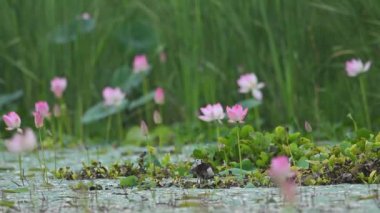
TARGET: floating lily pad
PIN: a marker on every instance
(129, 181)
(17, 190)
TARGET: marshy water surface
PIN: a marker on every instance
(107, 196)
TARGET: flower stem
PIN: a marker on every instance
(217, 140)
(145, 92)
(20, 167)
(43, 165)
(60, 132)
(55, 158)
(120, 127)
(238, 140)
(217, 134)
(365, 102)
(108, 129)
(258, 119)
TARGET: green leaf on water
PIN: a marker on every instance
(129, 181)
(18, 190)
(166, 160)
(234, 172)
(7, 203)
(303, 163)
(247, 165)
(6, 168)
(199, 154)
(245, 131)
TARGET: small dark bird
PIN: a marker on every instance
(202, 170)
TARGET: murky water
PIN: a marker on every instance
(62, 198)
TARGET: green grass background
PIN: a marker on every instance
(298, 48)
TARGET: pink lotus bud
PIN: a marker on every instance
(212, 112)
(140, 64)
(157, 119)
(22, 142)
(163, 57)
(159, 96)
(144, 128)
(12, 120)
(308, 127)
(38, 119)
(236, 113)
(355, 66)
(56, 110)
(249, 83)
(113, 96)
(43, 108)
(58, 86)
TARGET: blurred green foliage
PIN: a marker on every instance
(298, 48)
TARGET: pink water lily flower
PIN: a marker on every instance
(42, 107)
(280, 168)
(249, 83)
(113, 96)
(355, 66)
(159, 96)
(12, 120)
(22, 142)
(38, 119)
(236, 114)
(212, 112)
(140, 64)
(15, 144)
(58, 86)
